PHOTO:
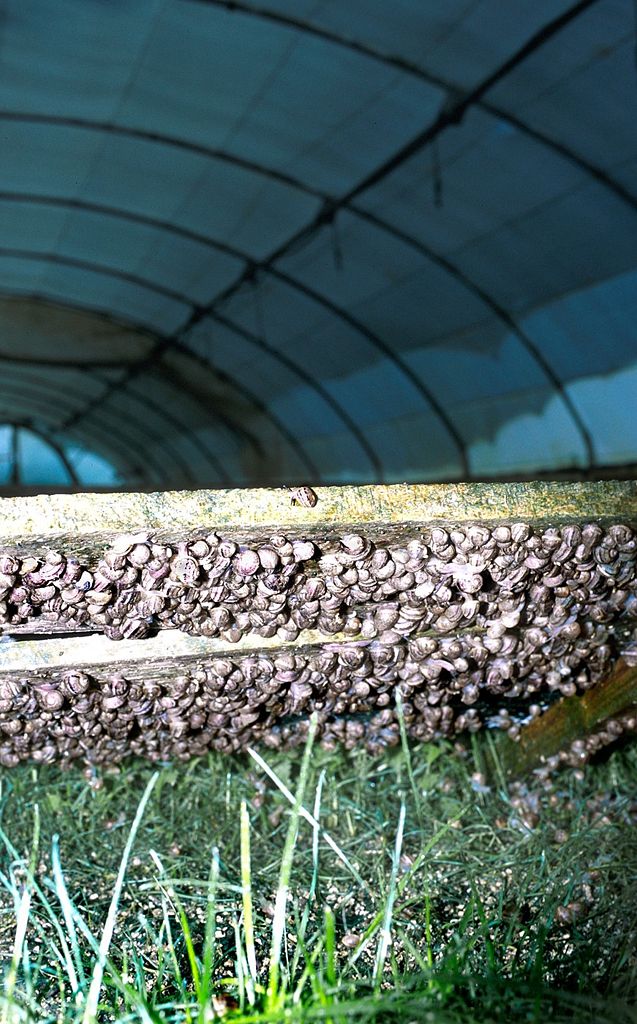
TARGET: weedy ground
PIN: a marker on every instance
(319, 885)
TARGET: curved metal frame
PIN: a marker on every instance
(25, 424)
(417, 71)
(124, 456)
(452, 113)
(184, 428)
(189, 437)
(279, 426)
(307, 378)
(34, 255)
(40, 397)
(381, 346)
(338, 311)
(199, 149)
(364, 49)
(59, 258)
(374, 339)
(161, 347)
(237, 430)
(501, 313)
(238, 386)
(140, 428)
(240, 432)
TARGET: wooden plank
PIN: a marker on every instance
(170, 647)
(571, 718)
(81, 522)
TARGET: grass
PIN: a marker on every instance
(318, 885)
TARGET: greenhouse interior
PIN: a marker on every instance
(318, 511)
(260, 244)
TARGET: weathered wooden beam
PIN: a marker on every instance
(170, 650)
(86, 521)
(571, 719)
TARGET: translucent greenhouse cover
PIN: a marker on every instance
(266, 241)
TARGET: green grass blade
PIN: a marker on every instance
(273, 995)
(428, 945)
(22, 920)
(211, 927)
(311, 896)
(385, 932)
(330, 948)
(169, 894)
(240, 964)
(190, 948)
(316, 835)
(171, 942)
(475, 932)
(23, 909)
(304, 813)
(76, 965)
(492, 959)
(246, 897)
(62, 954)
(309, 971)
(92, 999)
(404, 742)
(376, 922)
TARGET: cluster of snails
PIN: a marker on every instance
(227, 703)
(467, 621)
(445, 580)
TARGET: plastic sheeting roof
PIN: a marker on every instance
(249, 241)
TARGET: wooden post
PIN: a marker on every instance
(570, 719)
